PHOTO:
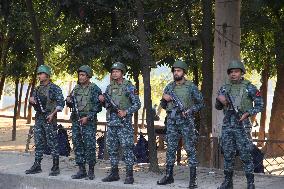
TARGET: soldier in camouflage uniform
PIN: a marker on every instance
(236, 129)
(84, 126)
(181, 123)
(45, 129)
(120, 130)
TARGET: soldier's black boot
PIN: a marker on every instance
(36, 168)
(113, 176)
(250, 181)
(228, 182)
(192, 179)
(91, 174)
(168, 178)
(55, 168)
(81, 173)
(129, 176)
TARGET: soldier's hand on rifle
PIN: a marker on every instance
(244, 116)
(83, 120)
(101, 98)
(49, 118)
(68, 99)
(121, 113)
(32, 100)
(167, 97)
(223, 100)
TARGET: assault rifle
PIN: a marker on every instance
(178, 105)
(75, 109)
(113, 106)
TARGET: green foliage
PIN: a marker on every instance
(100, 32)
(259, 26)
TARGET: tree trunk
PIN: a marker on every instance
(227, 34)
(276, 131)
(38, 50)
(146, 69)
(2, 83)
(15, 109)
(143, 118)
(36, 32)
(207, 82)
(3, 62)
(69, 92)
(191, 49)
(136, 80)
(263, 89)
(20, 100)
(29, 117)
(227, 47)
(26, 100)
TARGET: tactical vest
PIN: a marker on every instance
(119, 94)
(83, 96)
(240, 95)
(183, 92)
(44, 95)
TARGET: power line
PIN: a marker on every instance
(221, 34)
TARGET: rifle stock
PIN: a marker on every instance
(113, 106)
(75, 109)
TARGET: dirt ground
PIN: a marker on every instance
(6, 143)
(13, 165)
(274, 166)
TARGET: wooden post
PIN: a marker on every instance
(226, 47)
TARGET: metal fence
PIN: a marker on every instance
(268, 155)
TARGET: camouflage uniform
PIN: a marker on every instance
(51, 98)
(235, 134)
(121, 131)
(84, 137)
(177, 125)
(48, 99)
(84, 101)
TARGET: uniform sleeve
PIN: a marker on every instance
(105, 104)
(164, 103)
(34, 92)
(198, 100)
(96, 105)
(255, 95)
(58, 97)
(134, 98)
(218, 104)
(70, 104)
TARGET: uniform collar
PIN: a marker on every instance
(235, 82)
(42, 85)
(180, 83)
(113, 82)
(85, 85)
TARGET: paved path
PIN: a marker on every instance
(13, 165)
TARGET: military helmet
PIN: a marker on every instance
(118, 66)
(236, 64)
(87, 70)
(44, 69)
(180, 64)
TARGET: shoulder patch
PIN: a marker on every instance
(189, 83)
(246, 82)
(258, 93)
(136, 92)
